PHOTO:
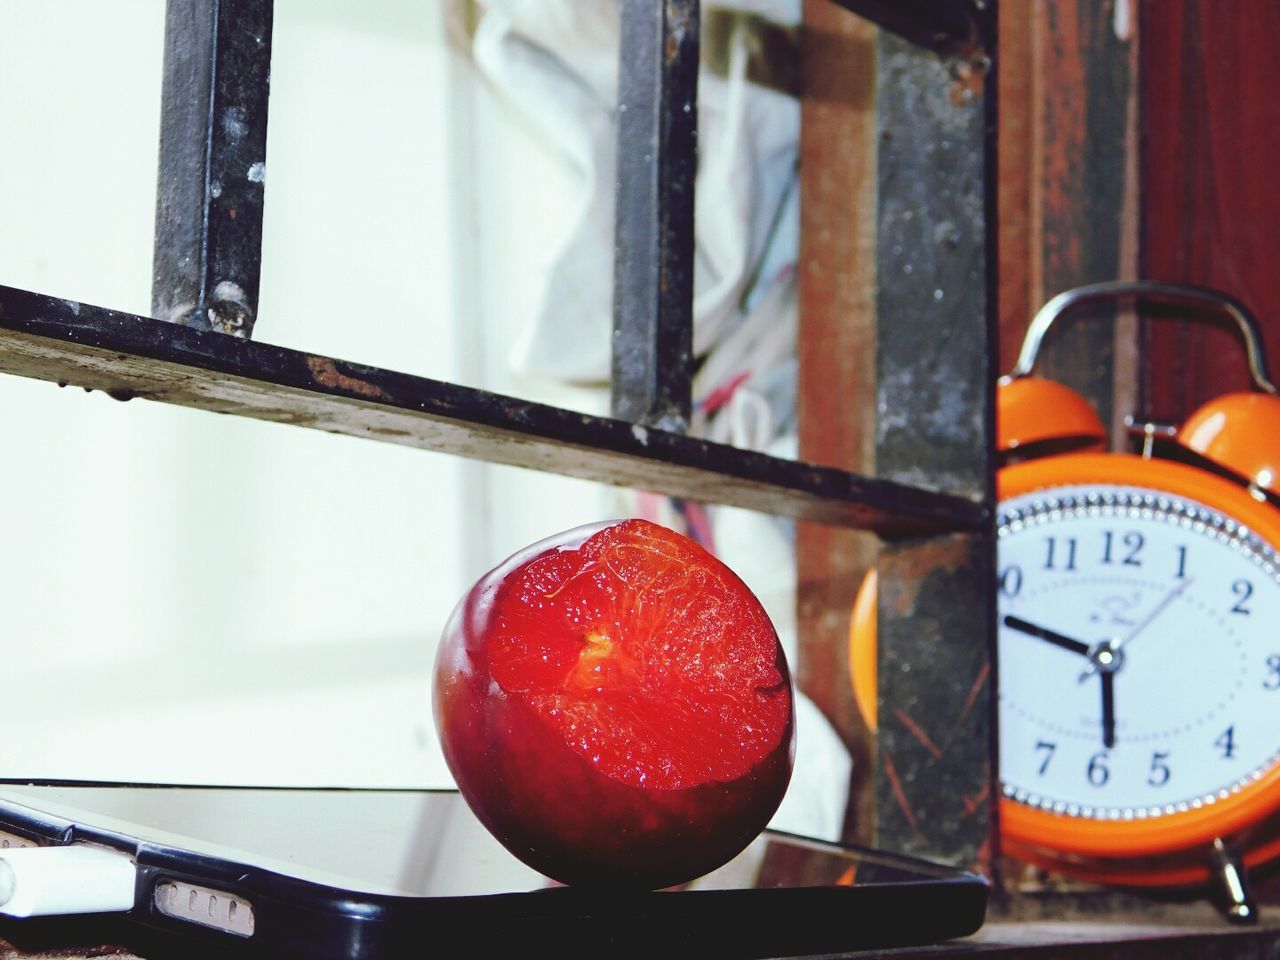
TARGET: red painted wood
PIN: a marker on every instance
(1211, 206)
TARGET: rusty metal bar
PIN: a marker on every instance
(213, 141)
(935, 299)
(654, 247)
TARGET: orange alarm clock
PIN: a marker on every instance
(1138, 612)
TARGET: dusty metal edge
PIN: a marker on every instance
(946, 27)
(130, 356)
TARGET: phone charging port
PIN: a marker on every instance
(205, 906)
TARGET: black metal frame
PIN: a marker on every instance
(653, 253)
(934, 354)
(947, 27)
(213, 152)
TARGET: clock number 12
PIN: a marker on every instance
(1133, 541)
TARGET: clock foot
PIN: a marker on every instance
(1233, 884)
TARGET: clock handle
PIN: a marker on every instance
(1229, 872)
(1170, 293)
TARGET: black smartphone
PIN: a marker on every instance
(374, 874)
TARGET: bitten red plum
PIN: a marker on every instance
(616, 708)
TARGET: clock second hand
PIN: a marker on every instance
(1114, 646)
(1114, 660)
(1171, 596)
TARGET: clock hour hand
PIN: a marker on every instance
(1042, 633)
(1108, 710)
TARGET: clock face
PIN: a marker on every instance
(1139, 652)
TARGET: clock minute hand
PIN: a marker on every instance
(1108, 710)
(1043, 633)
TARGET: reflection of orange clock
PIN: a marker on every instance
(1138, 607)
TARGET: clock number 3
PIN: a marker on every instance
(1273, 673)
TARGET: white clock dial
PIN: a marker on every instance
(1139, 652)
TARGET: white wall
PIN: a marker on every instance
(192, 598)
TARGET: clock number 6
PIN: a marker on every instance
(1098, 772)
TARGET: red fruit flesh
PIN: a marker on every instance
(616, 708)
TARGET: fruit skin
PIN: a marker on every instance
(547, 802)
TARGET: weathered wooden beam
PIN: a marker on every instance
(1083, 217)
(836, 350)
(1209, 200)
